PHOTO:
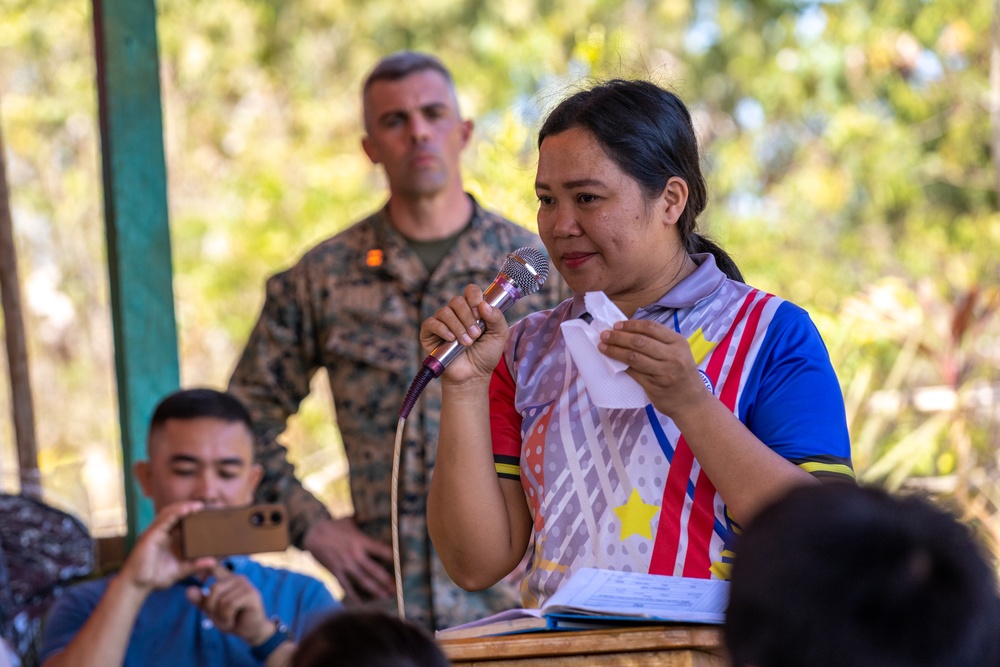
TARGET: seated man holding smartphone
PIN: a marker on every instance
(166, 609)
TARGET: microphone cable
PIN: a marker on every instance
(397, 569)
(523, 273)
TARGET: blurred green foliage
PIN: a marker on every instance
(847, 145)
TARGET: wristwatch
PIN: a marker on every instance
(263, 651)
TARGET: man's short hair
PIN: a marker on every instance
(402, 64)
(846, 575)
(200, 402)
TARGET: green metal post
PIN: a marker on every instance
(138, 234)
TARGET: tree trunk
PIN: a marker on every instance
(17, 349)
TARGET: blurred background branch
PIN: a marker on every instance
(22, 412)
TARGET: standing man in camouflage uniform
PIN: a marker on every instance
(353, 305)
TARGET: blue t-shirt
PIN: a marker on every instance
(171, 631)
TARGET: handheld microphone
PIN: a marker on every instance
(523, 273)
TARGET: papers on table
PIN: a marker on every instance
(593, 598)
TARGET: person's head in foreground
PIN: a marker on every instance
(369, 638)
(843, 575)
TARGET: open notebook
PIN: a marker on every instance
(594, 598)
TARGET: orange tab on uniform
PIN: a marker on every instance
(374, 257)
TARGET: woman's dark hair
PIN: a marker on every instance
(369, 638)
(648, 132)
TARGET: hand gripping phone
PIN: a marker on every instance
(234, 530)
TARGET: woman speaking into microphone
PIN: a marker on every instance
(636, 425)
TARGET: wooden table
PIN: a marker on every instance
(660, 645)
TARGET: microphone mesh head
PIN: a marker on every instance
(527, 268)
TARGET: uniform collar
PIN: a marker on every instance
(390, 252)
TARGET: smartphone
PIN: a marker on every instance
(233, 530)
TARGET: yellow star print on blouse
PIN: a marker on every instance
(636, 516)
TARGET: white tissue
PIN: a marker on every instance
(605, 378)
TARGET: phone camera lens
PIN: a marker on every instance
(276, 517)
(257, 519)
